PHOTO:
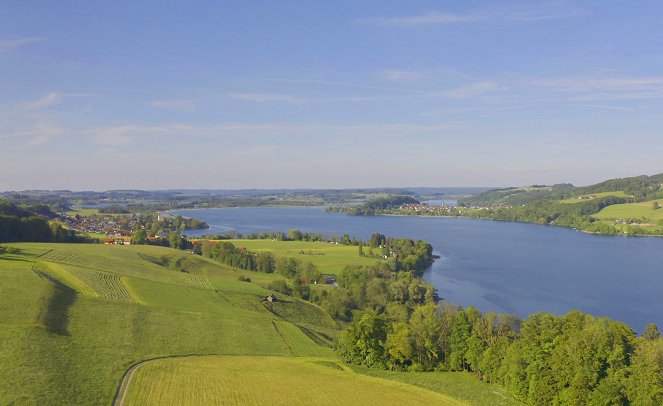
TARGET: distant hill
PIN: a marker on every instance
(625, 206)
(638, 187)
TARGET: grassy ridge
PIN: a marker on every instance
(268, 380)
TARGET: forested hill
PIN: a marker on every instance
(30, 223)
(628, 206)
(638, 188)
(378, 205)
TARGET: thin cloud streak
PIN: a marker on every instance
(267, 97)
(606, 88)
(185, 105)
(423, 19)
(438, 17)
(10, 44)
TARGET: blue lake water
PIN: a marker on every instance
(497, 266)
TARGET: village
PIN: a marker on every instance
(109, 225)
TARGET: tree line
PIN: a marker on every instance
(575, 359)
(30, 223)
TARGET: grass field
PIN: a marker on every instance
(641, 210)
(596, 195)
(462, 386)
(75, 317)
(328, 258)
(82, 211)
(241, 380)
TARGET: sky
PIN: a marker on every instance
(98, 95)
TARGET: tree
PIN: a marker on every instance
(645, 382)
(651, 332)
(364, 341)
(361, 250)
(426, 335)
(175, 240)
(139, 237)
(399, 345)
(460, 334)
(655, 205)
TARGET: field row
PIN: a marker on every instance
(91, 283)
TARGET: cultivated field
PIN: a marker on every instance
(242, 380)
(595, 196)
(328, 258)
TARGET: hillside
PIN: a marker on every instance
(76, 317)
(618, 206)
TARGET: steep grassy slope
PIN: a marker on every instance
(75, 317)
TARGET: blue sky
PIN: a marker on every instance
(220, 94)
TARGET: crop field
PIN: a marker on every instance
(596, 195)
(250, 380)
(59, 272)
(641, 210)
(328, 258)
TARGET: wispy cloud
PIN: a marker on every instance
(185, 105)
(475, 89)
(585, 88)
(396, 75)
(268, 97)
(31, 122)
(51, 99)
(604, 107)
(12, 43)
(432, 17)
(440, 17)
(124, 134)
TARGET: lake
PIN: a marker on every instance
(496, 266)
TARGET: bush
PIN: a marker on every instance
(243, 278)
(279, 285)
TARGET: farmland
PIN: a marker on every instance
(328, 258)
(75, 317)
(641, 210)
(594, 196)
(235, 380)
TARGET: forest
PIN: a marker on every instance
(575, 359)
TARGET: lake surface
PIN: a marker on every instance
(497, 266)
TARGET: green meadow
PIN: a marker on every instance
(641, 210)
(328, 258)
(595, 196)
(242, 380)
(74, 318)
